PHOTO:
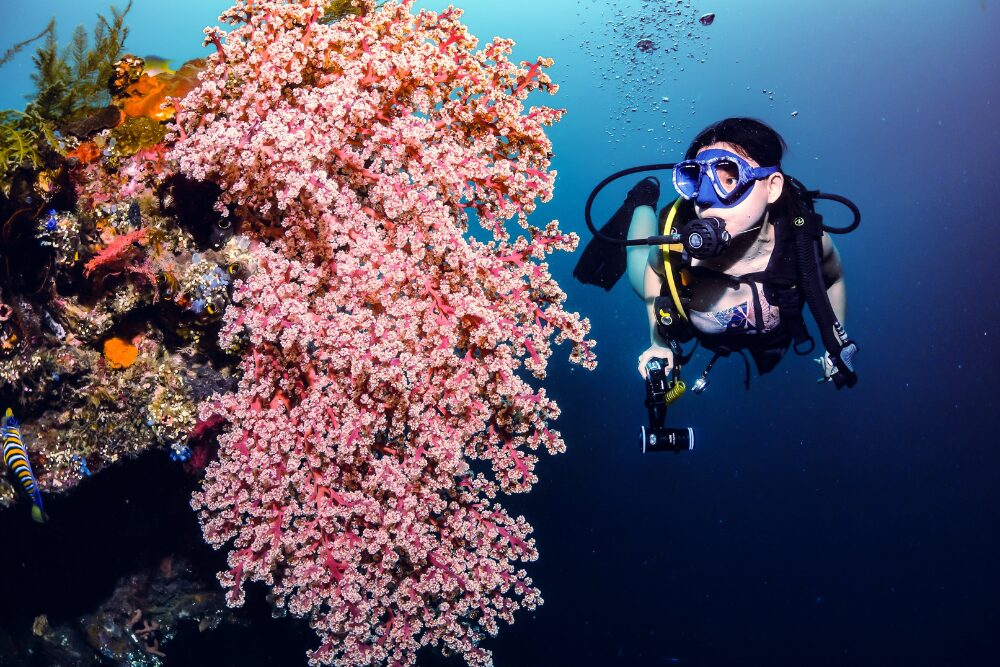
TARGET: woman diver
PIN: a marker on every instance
(731, 262)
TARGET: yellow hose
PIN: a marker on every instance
(668, 269)
(676, 391)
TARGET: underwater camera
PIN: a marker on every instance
(660, 392)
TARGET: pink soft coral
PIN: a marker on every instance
(384, 345)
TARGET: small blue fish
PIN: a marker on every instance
(15, 457)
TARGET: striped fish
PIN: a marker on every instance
(15, 457)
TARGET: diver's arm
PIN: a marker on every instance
(833, 276)
(658, 348)
(652, 285)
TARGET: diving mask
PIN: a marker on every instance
(717, 178)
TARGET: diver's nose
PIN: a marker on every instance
(706, 197)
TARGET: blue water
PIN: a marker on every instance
(810, 526)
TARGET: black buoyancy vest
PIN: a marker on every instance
(781, 284)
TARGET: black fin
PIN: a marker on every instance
(603, 263)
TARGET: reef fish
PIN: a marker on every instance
(156, 65)
(15, 457)
(707, 19)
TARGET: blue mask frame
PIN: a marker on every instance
(706, 188)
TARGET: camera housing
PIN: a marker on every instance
(660, 391)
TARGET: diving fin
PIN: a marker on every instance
(602, 262)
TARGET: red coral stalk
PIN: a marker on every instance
(116, 253)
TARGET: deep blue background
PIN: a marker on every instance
(810, 527)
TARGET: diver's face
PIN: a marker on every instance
(749, 212)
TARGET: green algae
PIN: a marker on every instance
(20, 139)
(72, 82)
(14, 50)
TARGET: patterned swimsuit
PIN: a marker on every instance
(738, 319)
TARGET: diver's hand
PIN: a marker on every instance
(829, 368)
(841, 369)
(654, 352)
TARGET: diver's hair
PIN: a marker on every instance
(755, 139)
(761, 143)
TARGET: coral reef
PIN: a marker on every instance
(262, 263)
(109, 305)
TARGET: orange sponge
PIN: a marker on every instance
(120, 353)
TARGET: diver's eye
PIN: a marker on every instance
(727, 174)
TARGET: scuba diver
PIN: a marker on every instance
(730, 263)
